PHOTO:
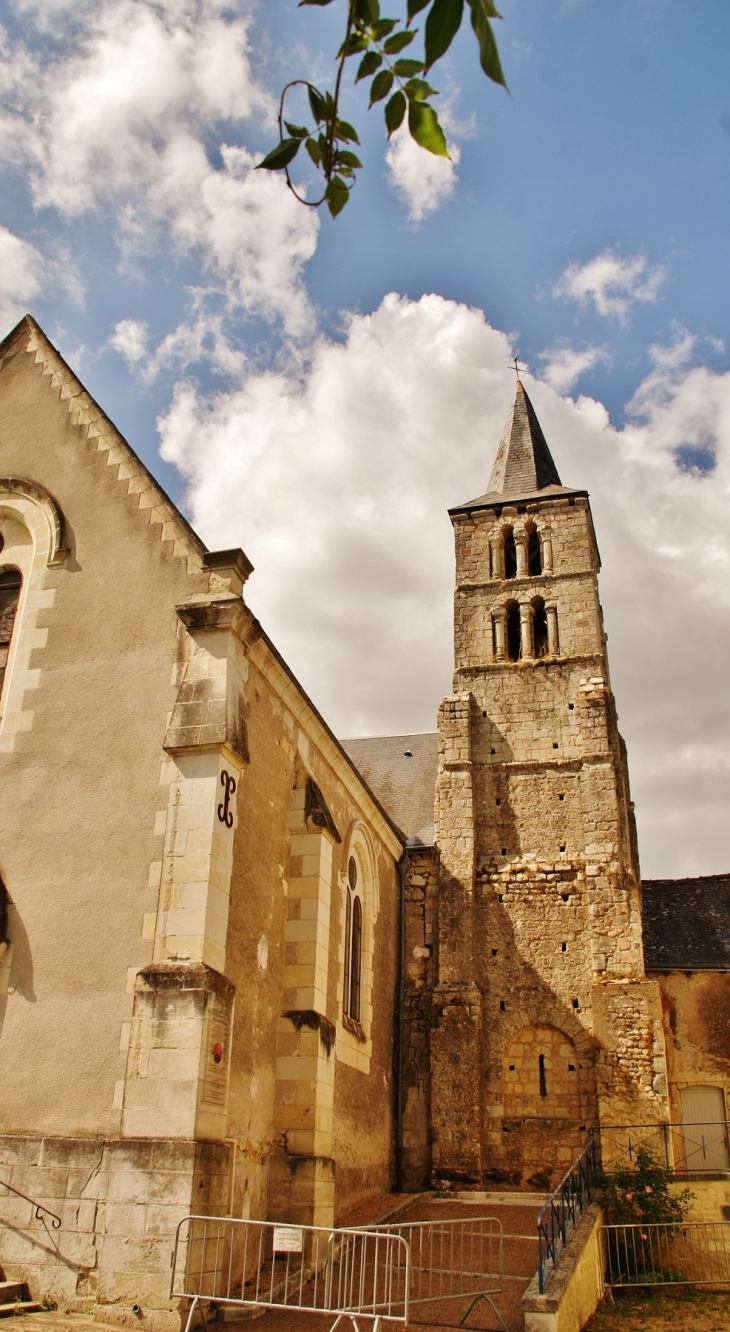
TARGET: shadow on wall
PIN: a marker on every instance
(16, 959)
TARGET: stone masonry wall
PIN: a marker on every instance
(421, 976)
(119, 1203)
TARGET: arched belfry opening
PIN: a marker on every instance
(534, 553)
(540, 636)
(513, 644)
(510, 554)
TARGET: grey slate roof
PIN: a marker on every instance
(687, 923)
(401, 772)
(523, 467)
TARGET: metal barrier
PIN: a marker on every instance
(455, 1259)
(682, 1148)
(559, 1216)
(313, 1269)
(678, 1253)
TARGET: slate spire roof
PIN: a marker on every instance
(523, 467)
(523, 463)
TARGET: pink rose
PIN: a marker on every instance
(629, 1197)
(648, 1188)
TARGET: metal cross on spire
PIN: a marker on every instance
(516, 366)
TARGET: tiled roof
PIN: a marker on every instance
(687, 923)
(401, 772)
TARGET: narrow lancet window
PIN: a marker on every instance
(10, 585)
(543, 1082)
(353, 945)
(513, 631)
(510, 554)
(534, 554)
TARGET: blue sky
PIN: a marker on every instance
(320, 392)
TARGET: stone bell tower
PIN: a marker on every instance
(544, 1023)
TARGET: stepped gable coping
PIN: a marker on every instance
(95, 425)
(687, 923)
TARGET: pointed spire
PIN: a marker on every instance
(523, 463)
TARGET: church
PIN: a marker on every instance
(250, 968)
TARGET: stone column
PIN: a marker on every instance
(547, 553)
(496, 550)
(521, 553)
(528, 649)
(551, 613)
(499, 624)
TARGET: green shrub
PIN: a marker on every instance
(641, 1195)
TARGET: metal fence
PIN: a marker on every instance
(559, 1216)
(682, 1148)
(679, 1253)
(223, 1260)
(459, 1259)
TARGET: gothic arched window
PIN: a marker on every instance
(510, 554)
(540, 628)
(353, 944)
(10, 584)
(513, 631)
(534, 554)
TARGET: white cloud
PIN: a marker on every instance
(611, 283)
(336, 479)
(562, 365)
(422, 180)
(118, 121)
(22, 270)
(130, 338)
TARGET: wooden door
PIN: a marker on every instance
(705, 1129)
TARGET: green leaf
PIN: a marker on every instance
(368, 65)
(395, 110)
(337, 195)
(415, 7)
(281, 155)
(315, 152)
(481, 10)
(368, 11)
(404, 69)
(345, 131)
(381, 85)
(355, 43)
(396, 43)
(418, 90)
(297, 131)
(425, 129)
(348, 159)
(442, 26)
(381, 29)
(316, 102)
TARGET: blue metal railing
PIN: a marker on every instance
(559, 1217)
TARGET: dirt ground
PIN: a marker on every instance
(680, 1311)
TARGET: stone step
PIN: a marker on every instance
(13, 1290)
(19, 1307)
